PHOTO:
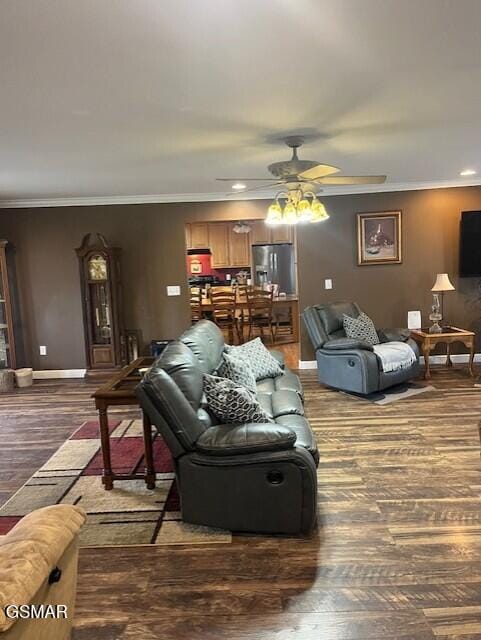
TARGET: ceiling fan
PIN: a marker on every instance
(302, 175)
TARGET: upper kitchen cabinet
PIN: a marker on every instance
(188, 236)
(260, 232)
(281, 233)
(218, 233)
(199, 235)
(230, 249)
(239, 248)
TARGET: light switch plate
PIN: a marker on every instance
(43, 350)
(328, 283)
(173, 290)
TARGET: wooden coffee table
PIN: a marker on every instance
(427, 341)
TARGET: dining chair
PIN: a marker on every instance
(259, 306)
(283, 323)
(224, 312)
(195, 304)
(242, 312)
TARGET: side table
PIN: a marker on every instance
(120, 390)
(427, 341)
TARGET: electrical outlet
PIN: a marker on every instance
(43, 350)
(173, 290)
(328, 283)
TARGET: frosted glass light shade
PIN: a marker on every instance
(319, 212)
(290, 214)
(274, 214)
(304, 210)
(443, 283)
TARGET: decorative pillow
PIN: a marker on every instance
(262, 363)
(232, 403)
(237, 369)
(360, 328)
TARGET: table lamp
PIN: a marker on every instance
(442, 284)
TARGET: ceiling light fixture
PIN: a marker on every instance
(238, 186)
(241, 227)
(468, 172)
(299, 207)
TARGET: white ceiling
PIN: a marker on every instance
(159, 97)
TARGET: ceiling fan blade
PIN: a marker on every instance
(259, 188)
(319, 171)
(340, 180)
(243, 179)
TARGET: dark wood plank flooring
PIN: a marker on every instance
(397, 554)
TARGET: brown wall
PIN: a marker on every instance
(152, 240)
(430, 233)
(153, 256)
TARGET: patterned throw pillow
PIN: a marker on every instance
(237, 369)
(232, 403)
(262, 363)
(361, 328)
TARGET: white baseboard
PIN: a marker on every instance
(58, 373)
(303, 364)
(457, 358)
(307, 364)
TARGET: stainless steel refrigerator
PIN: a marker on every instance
(275, 263)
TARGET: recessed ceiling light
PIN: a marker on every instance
(467, 172)
(238, 186)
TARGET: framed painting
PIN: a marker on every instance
(379, 239)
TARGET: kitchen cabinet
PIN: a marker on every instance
(219, 244)
(260, 232)
(281, 233)
(188, 236)
(199, 235)
(230, 249)
(239, 248)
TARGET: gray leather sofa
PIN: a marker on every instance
(348, 364)
(258, 478)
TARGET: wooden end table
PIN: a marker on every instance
(427, 341)
(120, 390)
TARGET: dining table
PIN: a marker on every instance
(288, 301)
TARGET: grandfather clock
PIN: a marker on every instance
(102, 304)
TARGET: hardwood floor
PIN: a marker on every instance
(397, 554)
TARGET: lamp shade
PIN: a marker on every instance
(443, 283)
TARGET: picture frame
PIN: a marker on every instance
(379, 238)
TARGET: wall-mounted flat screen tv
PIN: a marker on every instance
(470, 244)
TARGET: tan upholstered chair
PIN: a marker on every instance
(38, 565)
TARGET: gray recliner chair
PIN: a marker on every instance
(351, 365)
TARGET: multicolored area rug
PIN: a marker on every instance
(130, 514)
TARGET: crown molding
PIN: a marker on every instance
(86, 201)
